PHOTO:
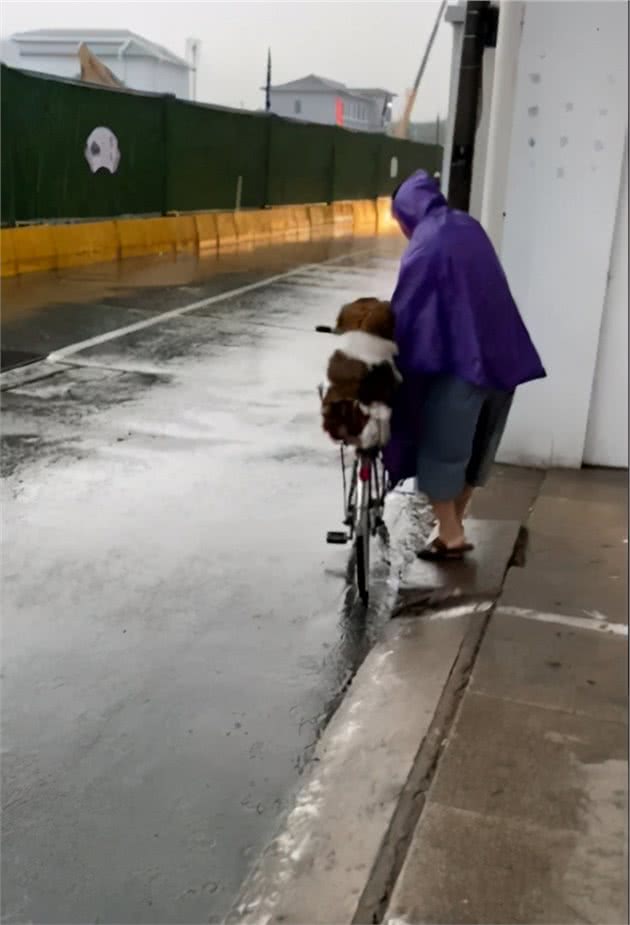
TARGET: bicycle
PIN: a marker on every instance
(364, 502)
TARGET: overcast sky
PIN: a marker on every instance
(359, 43)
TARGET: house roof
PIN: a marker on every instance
(373, 91)
(65, 42)
(310, 84)
(314, 84)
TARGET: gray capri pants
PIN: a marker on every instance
(460, 431)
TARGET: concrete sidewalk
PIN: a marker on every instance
(477, 769)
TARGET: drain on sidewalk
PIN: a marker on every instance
(11, 359)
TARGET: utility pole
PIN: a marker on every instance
(192, 54)
(403, 125)
(268, 83)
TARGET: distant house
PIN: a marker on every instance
(328, 102)
(137, 62)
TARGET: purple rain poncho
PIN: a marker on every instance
(454, 313)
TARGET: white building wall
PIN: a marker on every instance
(173, 79)
(607, 432)
(9, 53)
(50, 64)
(144, 74)
(150, 75)
(322, 109)
(570, 122)
(137, 74)
(315, 107)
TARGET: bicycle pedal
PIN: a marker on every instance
(336, 537)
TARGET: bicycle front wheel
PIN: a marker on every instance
(362, 550)
(362, 540)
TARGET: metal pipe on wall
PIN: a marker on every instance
(123, 61)
(476, 28)
(456, 16)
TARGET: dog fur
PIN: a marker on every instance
(367, 314)
(362, 375)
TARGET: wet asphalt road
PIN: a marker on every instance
(175, 630)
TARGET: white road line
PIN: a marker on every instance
(463, 610)
(595, 626)
(134, 370)
(58, 355)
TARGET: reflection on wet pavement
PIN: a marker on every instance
(175, 629)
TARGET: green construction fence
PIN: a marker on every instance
(177, 156)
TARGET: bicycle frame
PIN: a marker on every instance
(364, 501)
(366, 484)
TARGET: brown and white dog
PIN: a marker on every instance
(362, 375)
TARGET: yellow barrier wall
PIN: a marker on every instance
(302, 222)
(244, 229)
(279, 223)
(132, 237)
(48, 247)
(207, 234)
(343, 218)
(104, 242)
(186, 237)
(72, 245)
(226, 229)
(7, 252)
(290, 217)
(34, 248)
(364, 213)
(322, 221)
(261, 225)
(385, 221)
(161, 236)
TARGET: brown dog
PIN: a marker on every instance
(361, 373)
(368, 314)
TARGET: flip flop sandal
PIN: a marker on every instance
(438, 551)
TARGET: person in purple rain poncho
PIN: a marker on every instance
(462, 351)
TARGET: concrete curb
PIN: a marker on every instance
(317, 868)
(344, 842)
(331, 863)
(36, 248)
